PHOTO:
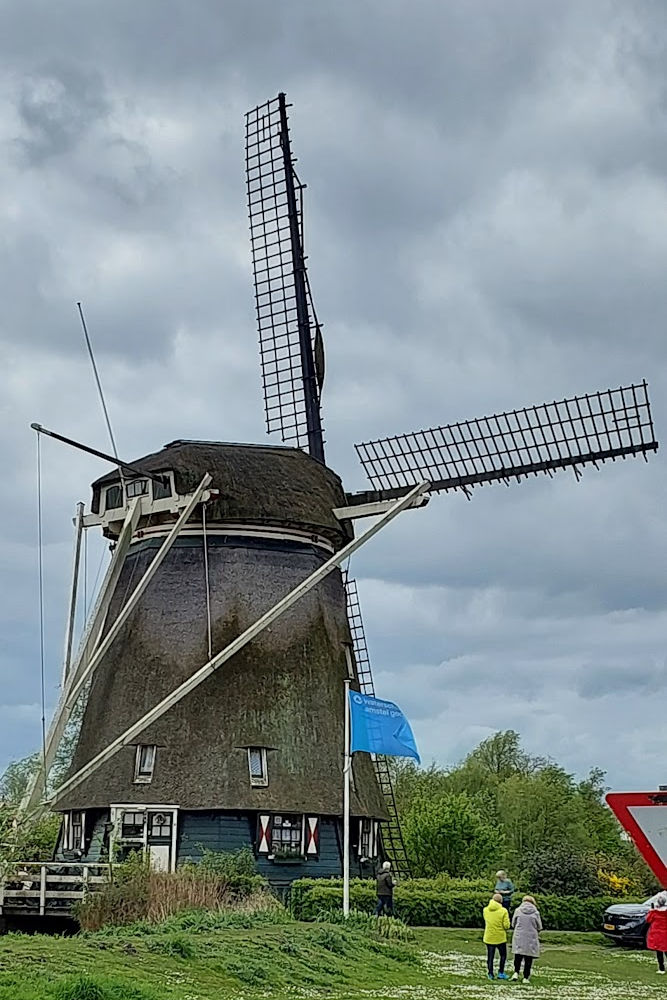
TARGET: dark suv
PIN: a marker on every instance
(625, 923)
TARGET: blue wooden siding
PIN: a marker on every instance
(218, 831)
(231, 831)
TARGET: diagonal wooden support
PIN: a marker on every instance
(250, 633)
(129, 607)
(71, 614)
(35, 789)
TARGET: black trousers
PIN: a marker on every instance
(660, 955)
(528, 964)
(385, 904)
(491, 950)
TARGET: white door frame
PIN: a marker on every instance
(116, 811)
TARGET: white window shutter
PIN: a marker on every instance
(312, 836)
(264, 835)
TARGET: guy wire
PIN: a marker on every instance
(99, 384)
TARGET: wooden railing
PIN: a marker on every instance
(51, 887)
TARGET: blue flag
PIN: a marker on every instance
(380, 727)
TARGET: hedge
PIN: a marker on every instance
(430, 906)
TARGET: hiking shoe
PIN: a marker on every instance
(501, 975)
(490, 976)
(515, 977)
(661, 972)
(526, 982)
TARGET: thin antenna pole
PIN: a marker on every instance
(310, 386)
(97, 380)
(40, 574)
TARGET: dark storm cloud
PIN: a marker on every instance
(486, 210)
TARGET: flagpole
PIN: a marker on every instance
(346, 805)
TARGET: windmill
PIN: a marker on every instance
(211, 672)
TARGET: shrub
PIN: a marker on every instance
(329, 939)
(388, 928)
(177, 945)
(559, 870)
(87, 988)
(137, 893)
(418, 904)
(228, 864)
(81, 988)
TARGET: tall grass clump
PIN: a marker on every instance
(388, 928)
(138, 894)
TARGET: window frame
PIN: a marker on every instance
(119, 506)
(70, 828)
(261, 780)
(131, 483)
(141, 776)
(139, 838)
(277, 822)
(168, 485)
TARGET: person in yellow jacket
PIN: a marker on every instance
(496, 926)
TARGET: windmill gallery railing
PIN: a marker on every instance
(48, 888)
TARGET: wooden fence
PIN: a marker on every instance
(48, 888)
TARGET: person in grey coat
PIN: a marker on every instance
(527, 925)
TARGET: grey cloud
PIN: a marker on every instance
(58, 104)
(484, 226)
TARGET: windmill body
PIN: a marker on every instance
(253, 756)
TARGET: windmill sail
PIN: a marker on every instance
(392, 837)
(290, 342)
(582, 430)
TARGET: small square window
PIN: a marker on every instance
(163, 489)
(144, 763)
(160, 825)
(137, 488)
(113, 497)
(259, 776)
(132, 825)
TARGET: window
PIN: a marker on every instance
(144, 764)
(132, 826)
(286, 836)
(259, 776)
(368, 839)
(137, 488)
(162, 490)
(113, 497)
(160, 825)
(74, 831)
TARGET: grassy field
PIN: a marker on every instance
(187, 960)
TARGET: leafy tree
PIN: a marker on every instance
(500, 757)
(532, 805)
(447, 834)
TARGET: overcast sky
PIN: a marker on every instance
(486, 227)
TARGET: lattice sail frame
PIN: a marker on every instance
(275, 270)
(581, 430)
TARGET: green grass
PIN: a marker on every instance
(196, 957)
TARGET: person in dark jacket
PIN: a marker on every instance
(385, 891)
(505, 886)
(656, 939)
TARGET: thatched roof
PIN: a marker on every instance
(283, 691)
(258, 484)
